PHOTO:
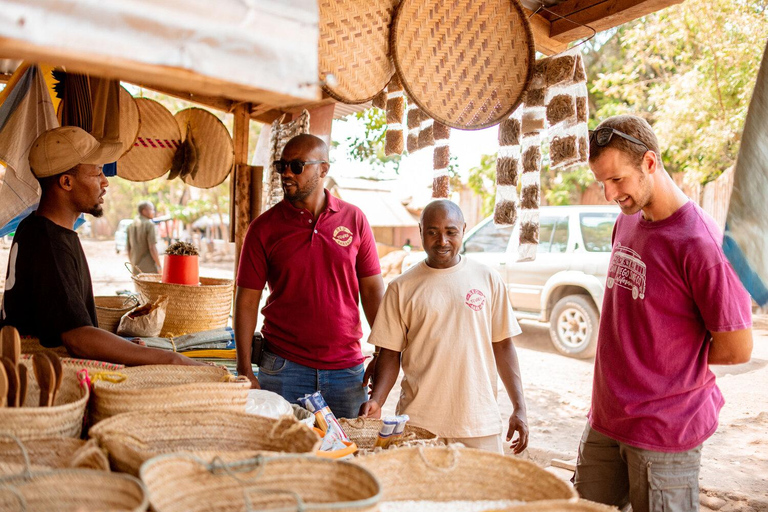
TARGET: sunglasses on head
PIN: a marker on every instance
(296, 166)
(602, 136)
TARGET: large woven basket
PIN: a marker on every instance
(52, 453)
(452, 473)
(190, 308)
(166, 387)
(111, 308)
(559, 506)
(466, 63)
(72, 490)
(134, 437)
(63, 419)
(183, 483)
(364, 431)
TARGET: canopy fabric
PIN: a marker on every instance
(247, 50)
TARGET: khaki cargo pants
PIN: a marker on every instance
(611, 472)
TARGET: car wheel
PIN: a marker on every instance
(573, 326)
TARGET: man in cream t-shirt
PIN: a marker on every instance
(449, 321)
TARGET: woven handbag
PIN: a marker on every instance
(63, 419)
(166, 387)
(184, 483)
(452, 473)
(134, 437)
(111, 308)
(364, 431)
(190, 308)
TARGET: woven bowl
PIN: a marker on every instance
(63, 419)
(134, 437)
(166, 387)
(52, 453)
(452, 473)
(190, 308)
(466, 63)
(111, 308)
(182, 483)
(72, 490)
(364, 431)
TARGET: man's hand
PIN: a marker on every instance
(370, 409)
(254, 381)
(519, 424)
(368, 375)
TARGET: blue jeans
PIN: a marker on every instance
(342, 389)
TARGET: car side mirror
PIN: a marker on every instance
(575, 246)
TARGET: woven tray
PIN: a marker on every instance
(165, 387)
(466, 63)
(559, 506)
(63, 419)
(155, 144)
(134, 437)
(190, 308)
(216, 151)
(354, 47)
(179, 483)
(453, 473)
(111, 308)
(364, 431)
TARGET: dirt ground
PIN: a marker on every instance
(734, 474)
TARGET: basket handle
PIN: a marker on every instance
(232, 468)
(17, 494)
(27, 464)
(455, 456)
(131, 268)
(257, 490)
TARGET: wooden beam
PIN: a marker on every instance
(540, 27)
(140, 73)
(214, 102)
(598, 14)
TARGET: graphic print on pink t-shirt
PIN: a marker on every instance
(475, 299)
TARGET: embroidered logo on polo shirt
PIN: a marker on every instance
(475, 300)
(342, 236)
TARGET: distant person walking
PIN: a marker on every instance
(142, 241)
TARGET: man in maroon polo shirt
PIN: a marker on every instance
(318, 255)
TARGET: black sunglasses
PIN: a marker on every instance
(602, 136)
(296, 166)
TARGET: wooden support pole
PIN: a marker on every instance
(241, 131)
(257, 186)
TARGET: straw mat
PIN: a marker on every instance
(466, 63)
(354, 48)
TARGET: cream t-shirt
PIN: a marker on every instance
(444, 322)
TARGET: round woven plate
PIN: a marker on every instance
(354, 47)
(466, 63)
(155, 144)
(216, 152)
(129, 120)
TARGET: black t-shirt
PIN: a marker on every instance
(48, 287)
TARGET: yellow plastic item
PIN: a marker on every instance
(336, 454)
(212, 353)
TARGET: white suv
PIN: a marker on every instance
(564, 284)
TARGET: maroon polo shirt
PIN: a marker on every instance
(312, 268)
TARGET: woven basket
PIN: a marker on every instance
(63, 419)
(190, 484)
(354, 48)
(452, 473)
(364, 431)
(111, 308)
(559, 506)
(72, 490)
(60, 452)
(466, 63)
(190, 308)
(134, 437)
(166, 387)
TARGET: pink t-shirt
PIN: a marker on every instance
(668, 286)
(313, 268)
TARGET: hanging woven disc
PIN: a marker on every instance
(215, 149)
(354, 48)
(466, 63)
(155, 145)
(129, 120)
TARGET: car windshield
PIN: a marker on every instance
(489, 238)
(596, 230)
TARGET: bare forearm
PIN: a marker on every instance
(371, 292)
(385, 375)
(94, 343)
(246, 316)
(509, 372)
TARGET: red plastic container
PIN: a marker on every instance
(181, 270)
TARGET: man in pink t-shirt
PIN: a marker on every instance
(672, 306)
(318, 255)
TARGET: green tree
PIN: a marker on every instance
(482, 180)
(368, 146)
